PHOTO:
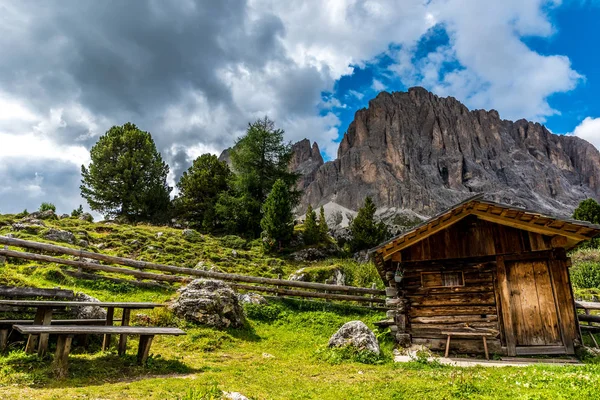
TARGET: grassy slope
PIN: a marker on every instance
(279, 356)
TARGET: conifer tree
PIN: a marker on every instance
(311, 229)
(364, 231)
(278, 220)
(323, 228)
(127, 177)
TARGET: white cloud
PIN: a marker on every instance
(377, 85)
(589, 130)
(356, 94)
(497, 70)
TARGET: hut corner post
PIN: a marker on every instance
(397, 310)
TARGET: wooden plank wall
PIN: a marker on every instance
(434, 310)
(473, 237)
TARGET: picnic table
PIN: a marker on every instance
(43, 316)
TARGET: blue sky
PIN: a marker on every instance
(195, 73)
(576, 36)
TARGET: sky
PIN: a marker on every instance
(194, 73)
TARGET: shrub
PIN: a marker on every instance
(47, 207)
(263, 312)
(234, 242)
(586, 275)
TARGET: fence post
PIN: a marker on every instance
(277, 293)
(2, 258)
(373, 286)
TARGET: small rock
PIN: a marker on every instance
(234, 253)
(252, 298)
(86, 217)
(40, 215)
(209, 302)
(188, 233)
(88, 312)
(83, 243)
(159, 234)
(177, 226)
(234, 396)
(29, 228)
(267, 355)
(201, 265)
(90, 261)
(58, 235)
(101, 246)
(63, 216)
(357, 334)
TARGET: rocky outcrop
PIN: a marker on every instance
(306, 161)
(211, 303)
(88, 312)
(357, 334)
(420, 152)
(59, 235)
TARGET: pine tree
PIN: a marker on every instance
(588, 210)
(127, 177)
(199, 188)
(259, 158)
(278, 220)
(323, 228)
(365, 233)
(311, 229)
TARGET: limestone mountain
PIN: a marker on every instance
(419, 153)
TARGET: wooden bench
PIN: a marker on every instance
(483, 335)
(18, 292)
(65, 335)
(7, 324)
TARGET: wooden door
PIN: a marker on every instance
(530, 312)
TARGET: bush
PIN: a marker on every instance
(47, 207)
(586, 275)
(263, 312)
(234, 242)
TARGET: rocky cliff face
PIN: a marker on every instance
(416, 151)
(306, 160)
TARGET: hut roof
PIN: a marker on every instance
(516, 217)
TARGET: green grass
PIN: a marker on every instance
(281, 354)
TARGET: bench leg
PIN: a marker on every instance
(144, 348)
(32, 340)
(63, 347)
(43, 347)
(123, 338)
(487, 355)
(3, 339)
(447, 347)
(110, 315)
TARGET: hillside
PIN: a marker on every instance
(415, 152)
(280, 354)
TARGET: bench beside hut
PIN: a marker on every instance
(487, 268)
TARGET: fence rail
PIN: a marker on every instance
(181, 274)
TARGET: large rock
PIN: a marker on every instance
(211, 303)
(88, 312)
(357, 334)
(417, 151)
(333, 275)
(58, 235)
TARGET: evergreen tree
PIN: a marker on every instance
(278, 220)
(47, 207)
(199, 189)
(588, 210)
(127, 177)
(311, 229)
(323, 228)
(365, 233)
(259, 158)
(77, 212)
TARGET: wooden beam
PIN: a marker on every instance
(431, 231)
(528, 226)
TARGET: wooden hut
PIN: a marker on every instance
(484, 269)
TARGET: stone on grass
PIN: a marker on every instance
(356, 334)
(88, 312)
(252, 298)
(234, 396)
(86, 217)
(209, 302)
(58, 235)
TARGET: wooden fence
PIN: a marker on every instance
(589, 318)
(174, 274)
